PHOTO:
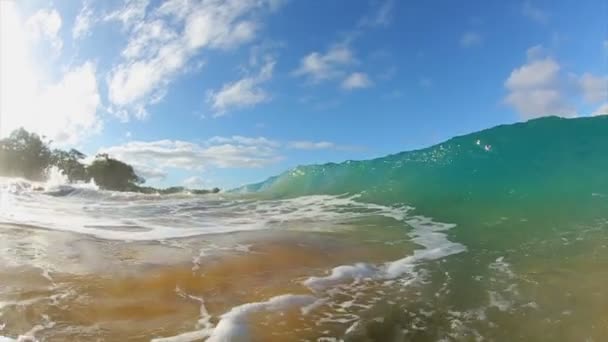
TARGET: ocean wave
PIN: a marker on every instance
(84, 209)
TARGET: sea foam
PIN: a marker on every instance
(233, 324)
(425, 232)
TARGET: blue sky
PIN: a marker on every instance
(223, 93)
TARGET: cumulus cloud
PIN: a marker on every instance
(540, 87)
(45, 24)
(317, 67)
(595, 88)
(155, 159)
(222, 152)
(151, 172)
(83, 22)
(356, 80)
(537, 89)
(194, 182)
(62, 109)
(162, 42)
(470, 39)
(337, 62)
(537, 52)
(243, 93)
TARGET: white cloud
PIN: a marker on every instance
(594, 88)
(312, 145)
(131, 13)
(470, 39)
(356, 80)
(243, 93)
(71, 105)
(194, 182)
(65, 109)
(154, 159)
(45, 24)
(318, 67)
(151, 172)
(540, 87)
(541, 73)
(536, 52)
(602, 110)
(83, 22)
(319, 145)
(337, 61)
(241, 140)
(65, 112)
(534, 13)
(537, 89)
(222, 152)
(146, 39)
(156, 52)
(380, 16)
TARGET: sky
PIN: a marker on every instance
(229, 92)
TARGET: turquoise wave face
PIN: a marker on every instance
(545, 165)
(503, 187)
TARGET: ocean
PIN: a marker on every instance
(498, 235)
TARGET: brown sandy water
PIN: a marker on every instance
(75, 287)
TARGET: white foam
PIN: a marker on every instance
(340, 274)
(503, 267)
(30, 335)
(426, 233)
(233, 324)
(137, 217)
(498, 301)
(18, 339)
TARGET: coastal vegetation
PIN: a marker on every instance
(28, 155)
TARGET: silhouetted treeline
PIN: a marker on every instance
(27, 155)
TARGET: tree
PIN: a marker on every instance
(69, 164)
(27, 155)
(24, 154)
(113, 174)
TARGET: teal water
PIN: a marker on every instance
(530, 201)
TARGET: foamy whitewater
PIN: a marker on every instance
(85, 210)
